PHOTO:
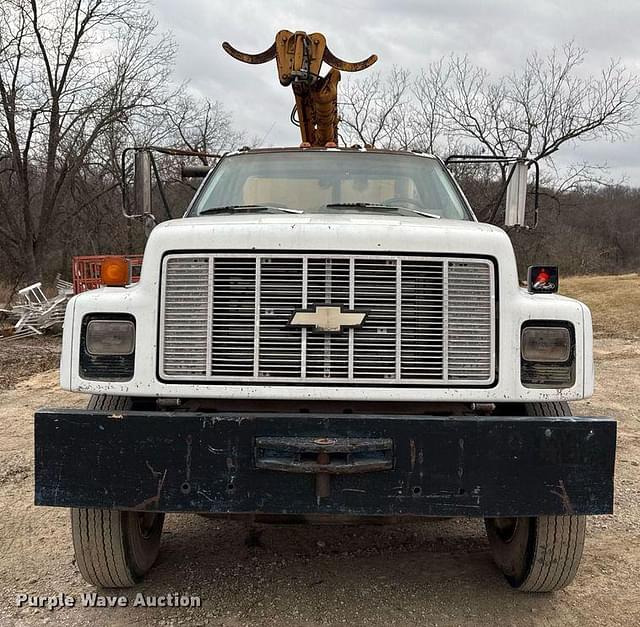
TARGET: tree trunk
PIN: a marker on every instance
(31, 269)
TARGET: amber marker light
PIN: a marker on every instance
(114, 272)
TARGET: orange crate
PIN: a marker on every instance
(86, 271)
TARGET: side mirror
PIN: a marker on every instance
(516, 196)
(142, 182)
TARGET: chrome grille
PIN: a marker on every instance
(375, 344)
(280, 295)
(185, 317)
(328, 281)
(422, 319)
(430, 320)
(469, 321)
(232, 317)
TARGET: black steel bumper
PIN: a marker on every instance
(318, 464)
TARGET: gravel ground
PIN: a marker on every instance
(414, 574)
(20, 358)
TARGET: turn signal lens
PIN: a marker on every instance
(114, 272)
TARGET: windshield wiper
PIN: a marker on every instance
(249, 208)
(373, 205)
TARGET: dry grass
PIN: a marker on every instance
(614, 301)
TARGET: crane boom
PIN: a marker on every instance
(299, 57)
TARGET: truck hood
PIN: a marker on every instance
(329, 232)
(337, 234)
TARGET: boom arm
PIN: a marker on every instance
(299, 57)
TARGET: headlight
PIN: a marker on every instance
(547, 354)
(107, 347)
(546, 344)
(110, 337)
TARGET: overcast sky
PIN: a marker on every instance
(497, 34)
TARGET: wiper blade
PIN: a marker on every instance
(373, 205)
(249, 208)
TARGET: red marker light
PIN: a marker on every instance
(543, 277)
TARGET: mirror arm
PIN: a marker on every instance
(166, 151)
(160, 185)
(148, 219)
(503, 160)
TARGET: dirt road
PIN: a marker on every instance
(428, 573)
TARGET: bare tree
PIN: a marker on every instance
(200, 125)
(369, 106)
(69, 72)
(429, 119)
(530, 113)
(453, 105)
(534, 111)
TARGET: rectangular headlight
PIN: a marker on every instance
(547, 354)
(110, 337)
(546, 344)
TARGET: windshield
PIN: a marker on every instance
(332, 182)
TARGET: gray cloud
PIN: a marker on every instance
(497, 34)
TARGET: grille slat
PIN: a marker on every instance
(429, 320)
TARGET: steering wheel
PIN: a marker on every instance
(402, 199)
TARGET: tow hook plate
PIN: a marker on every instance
(324, 457)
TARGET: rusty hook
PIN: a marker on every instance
(330, 59)
(255, 59)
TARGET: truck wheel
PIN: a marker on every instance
(114, 549)
(540, 553)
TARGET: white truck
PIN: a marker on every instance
(327, 333)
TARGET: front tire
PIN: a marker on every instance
(540, 553)
(114, 549)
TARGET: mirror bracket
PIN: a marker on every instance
(515, 187)
(145, 170)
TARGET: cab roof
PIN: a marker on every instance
(349, 149)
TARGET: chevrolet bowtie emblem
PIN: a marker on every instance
(327, 319)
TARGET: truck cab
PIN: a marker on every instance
(327, 333)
